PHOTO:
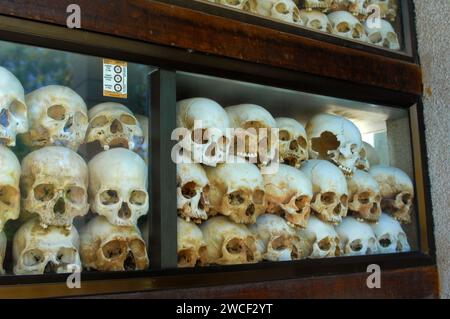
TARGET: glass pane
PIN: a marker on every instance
(79, 127)
(373, 22)
(268, 174)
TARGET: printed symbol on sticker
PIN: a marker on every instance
(118, 88)
(118, 78)
(118, 69)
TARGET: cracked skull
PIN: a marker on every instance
(106, 247)
(54, 185)
(57, 116)
(390, 236)
(9, 186)
(237, 191)
(13, 110)
(316, 20)
(118, 186)
(356, 238)
(365, 197)
(347, 26)
(322, 237)
(192, 192)
(38, 250)
(330, 200)
(254, 135)
(114, 125)
(288, 194)
(277, 241)
(336, 139)
(293, 142)
(207, 139)
(385, 36)
(397, 191)
(228, 243)
(190, 243)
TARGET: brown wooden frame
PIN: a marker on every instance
(164, 32)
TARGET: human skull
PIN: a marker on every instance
(336, 139)
(365, 198)
(54, 185)
(390, 236)
(13, 110)
(330, 198)
(322, 5)
(293, 142)
(228, 243)
(3, 243)
(322, 237)
(346, 25)
(356, 238)
(277, 241)
(143, 148)
(118, 186)
(107, 247)
(190, 243)
(263, 7)
(288, 194)
(316, 20)
(208, 141)
(244, 5)
(9, 186)
(285, 10)
(356, 7)
(367, 157)
(192, 192)
(38, 250)
(397, 191)
(57, 116)
(388, 8)
(385, 36)
(236, 191)
(114, 125)
(254, 132)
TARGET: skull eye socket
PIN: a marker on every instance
(364, 198)
(375, 38)
(280, 243)
(109, 197)
(358, 31)
(327, 198)
(281, 8)
(406, 198)
(343, 27)
(258, 197)
(44, 192)
(56, 112)
(186, 258)
(356, 245)
(99, 121)
(235, 246)
(113, 249)
(301, 202)
(137, 247)
(66, 255)
(76, 195)
(18, 109)
(302, 142)
(284, 136)
(236, 198)
(127, 119)
(33, 257)
(8, 195)
(324, 244)
(138, 197)
(188, 190)
(316, 24)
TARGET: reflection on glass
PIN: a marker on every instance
(81, 191)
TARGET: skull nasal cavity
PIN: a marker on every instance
(60, 207)
(116, 127)
(250, 210)
(4, 118)
(50, 268)
(130, 262)
(124, 212)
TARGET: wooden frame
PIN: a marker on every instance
(369, 87)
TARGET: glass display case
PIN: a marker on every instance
(144, 167)
(371, 23)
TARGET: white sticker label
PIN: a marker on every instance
(115, 79)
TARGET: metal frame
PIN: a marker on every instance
(163, 181)
(407, 23)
